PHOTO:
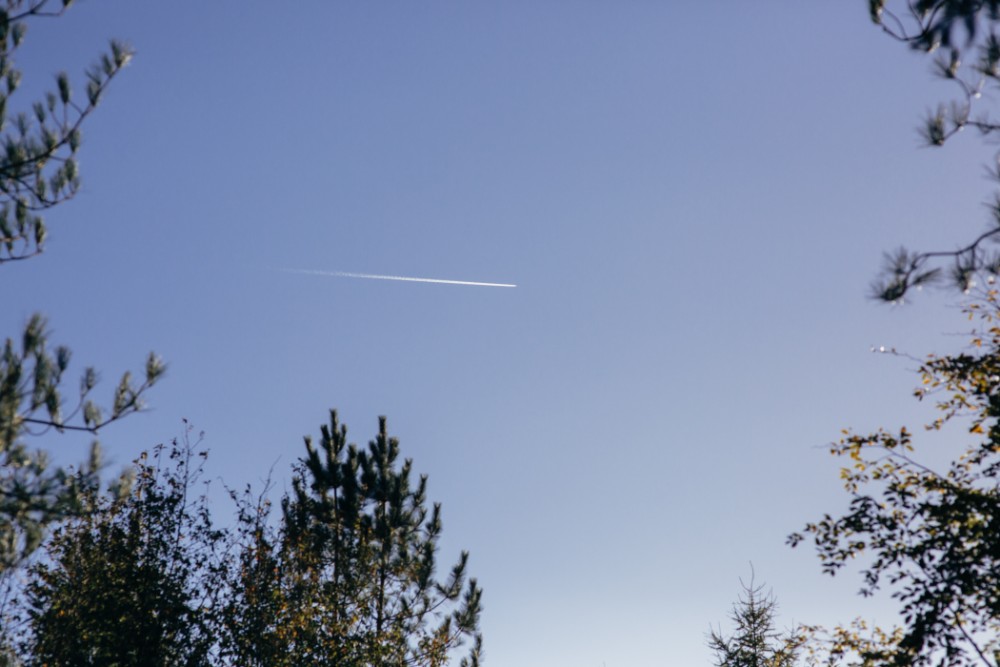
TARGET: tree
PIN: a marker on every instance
(932, 536)
(755, 642)
(349, 579)
(963, 30)
(133, 580)
(38, 170)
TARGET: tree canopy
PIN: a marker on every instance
(348, 576)
(133, 580)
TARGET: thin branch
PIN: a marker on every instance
(968, 638)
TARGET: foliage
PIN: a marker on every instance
(349, 579)
(132, 581)
(38, 170)
(857, 643)
(966, 30)
(932, 536)
(346, 577)
(755, 642)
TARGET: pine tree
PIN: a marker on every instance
(755, 641)
(38, 171)
(350, 578)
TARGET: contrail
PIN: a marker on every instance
(409, 279)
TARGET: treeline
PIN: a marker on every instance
(344, 570)
(345, 574)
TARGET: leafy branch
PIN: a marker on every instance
(931, 536)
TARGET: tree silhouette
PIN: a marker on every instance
(756, 641)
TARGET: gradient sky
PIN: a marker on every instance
(691, 197)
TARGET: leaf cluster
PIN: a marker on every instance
(857, 644)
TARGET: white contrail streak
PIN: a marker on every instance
(409, 279)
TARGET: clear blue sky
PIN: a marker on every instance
(691, 197)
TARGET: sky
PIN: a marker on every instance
(692, 199)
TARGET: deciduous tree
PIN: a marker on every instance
(134, 580)
(930, 535)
